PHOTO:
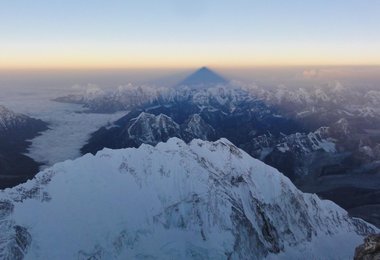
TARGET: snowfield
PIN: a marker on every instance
(205, 200)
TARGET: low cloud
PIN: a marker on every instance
(313, 73)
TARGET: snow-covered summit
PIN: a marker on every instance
(205, 200)
(10, 119)
(148, 128)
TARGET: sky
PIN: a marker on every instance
(76, 34)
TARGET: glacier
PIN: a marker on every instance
(203, 200)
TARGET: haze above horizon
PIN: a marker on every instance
(182, 34)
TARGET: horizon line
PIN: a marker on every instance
(89, 68)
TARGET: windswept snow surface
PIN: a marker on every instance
(205, 200)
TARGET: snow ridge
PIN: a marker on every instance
(205, 200)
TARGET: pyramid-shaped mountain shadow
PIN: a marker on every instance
(203, 77)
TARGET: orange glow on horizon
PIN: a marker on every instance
(180, 56)
(93, 63)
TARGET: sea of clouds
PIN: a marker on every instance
(69, 125)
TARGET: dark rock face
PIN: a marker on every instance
(18, 243)
(6, 208)
(16, 168)
(17, 240)
(23, 240)
(370, 250)
(15, 130)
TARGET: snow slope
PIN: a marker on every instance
(205, 200)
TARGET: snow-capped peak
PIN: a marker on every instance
(150, 129)
(10, 119)
(205, 200)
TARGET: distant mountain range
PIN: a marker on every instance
(324, 138)
(130, 96)
(208, 113)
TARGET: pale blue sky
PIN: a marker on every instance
(147, 33)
